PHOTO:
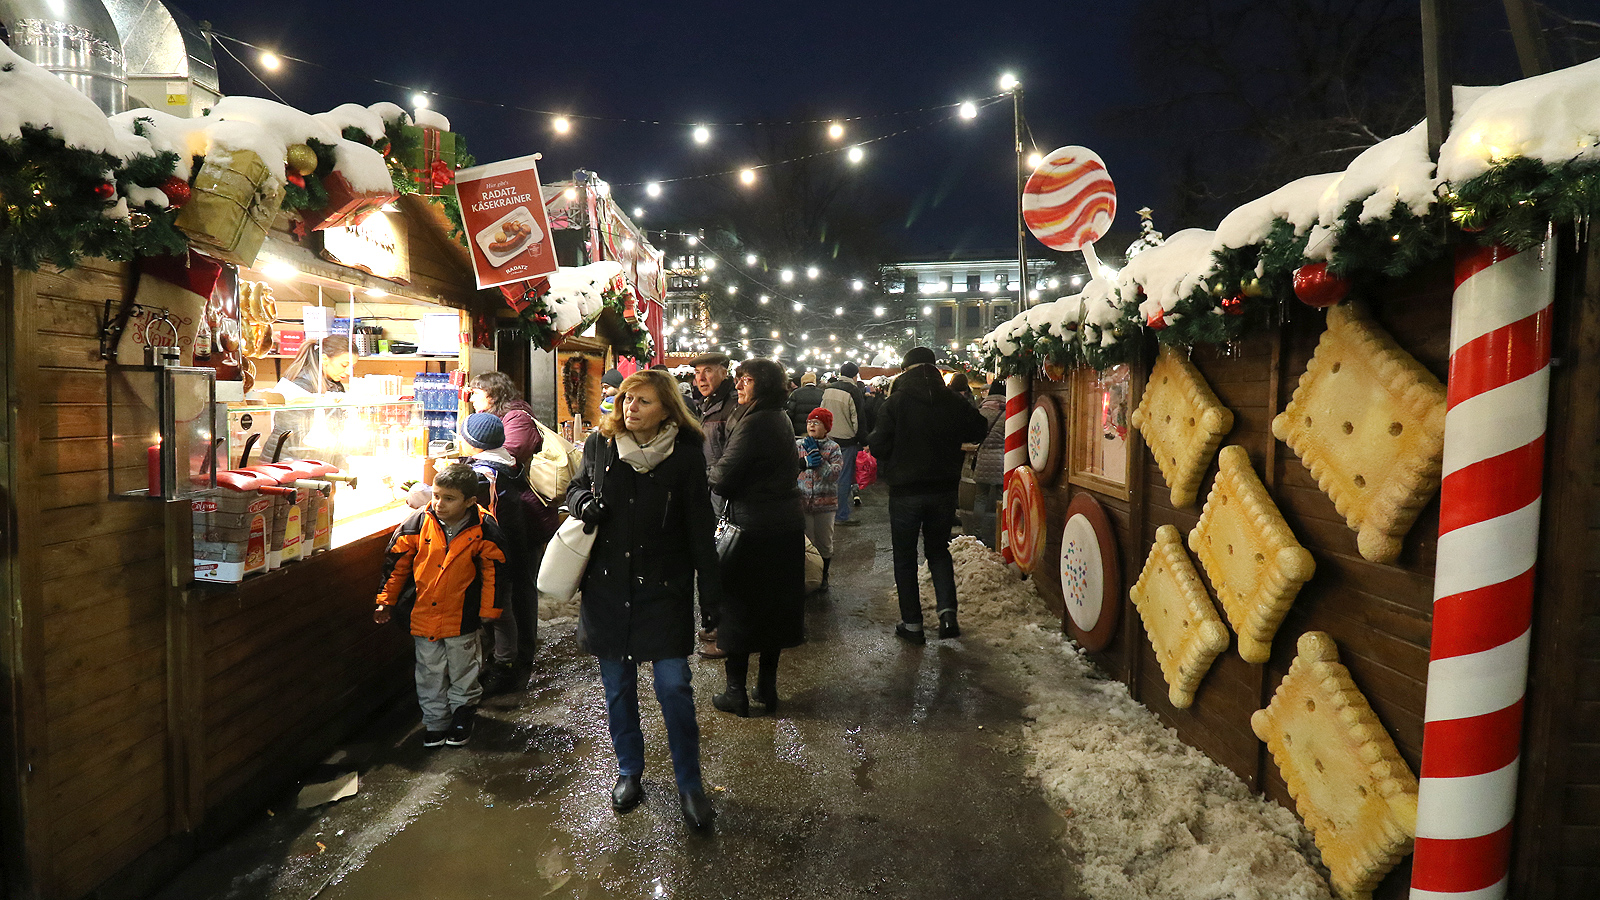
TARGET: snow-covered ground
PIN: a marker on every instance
(1149, 817)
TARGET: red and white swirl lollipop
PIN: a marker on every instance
(1024, 512)
(1070, 201)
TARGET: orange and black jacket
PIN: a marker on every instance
(445, 588)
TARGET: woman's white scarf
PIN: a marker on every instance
(648, 456)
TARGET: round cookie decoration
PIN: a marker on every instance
(1069, 201)
(1024, 511)
(1045, 443)
(1091, 579)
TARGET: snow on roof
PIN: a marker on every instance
(1296, 201)
(33, 96)
(432, 119)
(164, 133)
(354, 115)
(1168, 272)
(1552, 118)
(388, 112)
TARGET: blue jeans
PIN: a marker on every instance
(847, 480)
(933, 515)
(673, 692)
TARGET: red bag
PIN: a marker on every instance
(866, 468)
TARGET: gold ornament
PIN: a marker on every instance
(302, 159)
(1251, 287)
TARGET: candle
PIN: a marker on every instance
(153, 468)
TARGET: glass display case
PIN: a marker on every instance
(377, 443)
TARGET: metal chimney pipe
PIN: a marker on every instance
(74, 39)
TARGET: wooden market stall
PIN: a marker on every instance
(1159, 406)
(152, 713)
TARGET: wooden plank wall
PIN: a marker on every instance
(282, 656)
(1379, 614)
(95, 583)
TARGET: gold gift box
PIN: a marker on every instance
(231, 207)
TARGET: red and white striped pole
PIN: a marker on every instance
(1498, 397)
(1016, 434)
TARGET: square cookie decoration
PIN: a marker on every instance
(1247, 550)
(1368, 422)
(1178, 616)
(1182, 422)
(1349, 784)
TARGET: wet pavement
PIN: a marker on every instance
(890, 771)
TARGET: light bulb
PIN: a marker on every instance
(419, 101)
(855, 155)
(927, 310)
(774, 332)
(747, 176)
(603, 189)
(628, 245)
(732, 289)
(638, 212)
(561, 125)
(691, 240)
(653, 189)
(702, 134)
(270, 61)
(969, 110)
(857, 285)
(877, 311)
(749, 259)
(570, 193)
(838, 310)
(1035, 159)
(798, 306)
(812, 272)
(786, 276)
(710, 263)
(836, 131)
(764, 299)
(1008, 82)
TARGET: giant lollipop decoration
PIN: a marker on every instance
(1069, 202)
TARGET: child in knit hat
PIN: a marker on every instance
(821, 461)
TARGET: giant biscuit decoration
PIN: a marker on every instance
(1347, 779)
(1368, 421)
(1182, 421)
(1247, 550)
(1183, 626)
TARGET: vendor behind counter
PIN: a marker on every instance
(321, 367)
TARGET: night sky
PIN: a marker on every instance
(687, 62)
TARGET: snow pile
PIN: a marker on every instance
(578, 293)
(354, 115)
(277, 127)
(1168, 273)
(427, 118)
(1552, 118)
(1297, 202)
(1149, 815)
(388, 112)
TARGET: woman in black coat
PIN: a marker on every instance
(653, 513)
(763, 580)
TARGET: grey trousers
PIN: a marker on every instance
(447, 677)
(819, 528)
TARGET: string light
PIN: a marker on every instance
(653, 189)
(638, 212)
(749, 259)
(1035, 159)
(812, 273)
(561, 124)
(855, 155)
(857, 286)
(570, 194)
(1009, 82)
(747, 176)
(764, 299)
(691, 240)
(836, 131)
(838, 310)
(702, 134)
(419, 101)
(709, 264)
(786, 276)
(969, 110)
(270, 61)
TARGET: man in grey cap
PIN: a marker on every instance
(717, 402)
(917, 440)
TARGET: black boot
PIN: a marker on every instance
(825, 564)
(767, 685)
(947, 624)
(733, 700)
(627, 793)
(697, 810)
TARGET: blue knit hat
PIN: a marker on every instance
(484, 431)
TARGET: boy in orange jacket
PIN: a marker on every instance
(442, 571)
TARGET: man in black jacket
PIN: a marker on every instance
(917, 441)
(717, 402)
(805, 398)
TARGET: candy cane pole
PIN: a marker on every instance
(1016, 435)
(1498, 397)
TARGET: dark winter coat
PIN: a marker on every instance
(763, 582)
(638, 591)
(523, 439)
(805, 398)
(991, 453)
(714, 410)
(920, 432)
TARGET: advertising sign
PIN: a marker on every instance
(507, 229)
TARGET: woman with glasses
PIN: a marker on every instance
(763, 578)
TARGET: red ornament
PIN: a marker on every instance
(295, 178)
(105, 191)
(1233, 306)
(177, 191)
(1317, 288)
(1157, 320)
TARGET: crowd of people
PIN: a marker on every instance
(712, 494)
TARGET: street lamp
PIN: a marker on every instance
(1011, 85)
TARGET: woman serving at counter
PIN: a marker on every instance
(321, 367)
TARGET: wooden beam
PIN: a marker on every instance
(1436, 79)
(1528, 34)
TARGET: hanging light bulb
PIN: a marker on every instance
(1008, 82)
(969, 110)
(798, 306)
(570, 193)
(638, 212)
(749, 259)
(702, 134)
(856, 285)
(691, 240)
(419, 101)
(836, 130)
(561, 124)
(270, 61)
(838, 310)
(764, 299)
(747, 176)
(786, 276)
(710, 263)
(1034, 159)
(812, 272)
(855, 154)
(653, 189)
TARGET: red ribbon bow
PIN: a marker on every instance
(440, 174)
